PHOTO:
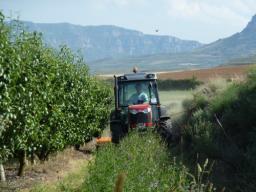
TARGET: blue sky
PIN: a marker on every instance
(202, 20)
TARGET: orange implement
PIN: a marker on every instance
(103, 140)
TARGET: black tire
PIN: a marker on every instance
(116, 131)
(165, 130)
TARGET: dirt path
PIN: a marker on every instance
(56, 168)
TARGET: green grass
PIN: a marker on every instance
(173, 99)
(71, 182)
(143, 162)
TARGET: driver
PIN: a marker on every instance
(139, 97)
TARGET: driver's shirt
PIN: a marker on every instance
(138, 98)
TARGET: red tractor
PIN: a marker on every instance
(137, 106)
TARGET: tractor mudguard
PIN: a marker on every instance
(163, 114)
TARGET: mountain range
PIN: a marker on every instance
(109, 49)
(101, 42)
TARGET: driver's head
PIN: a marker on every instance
(138, 87)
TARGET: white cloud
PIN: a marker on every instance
(183, 8)
(119, 3)
(234, 12)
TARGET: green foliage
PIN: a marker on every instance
(225, 99)
(48, 98)
(143, 159)
(222, 126)
(181, 84)
(5, 99)
(141, 162)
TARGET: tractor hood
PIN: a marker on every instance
(144, 108)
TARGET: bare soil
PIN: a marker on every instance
(227, 72)
(56, 168)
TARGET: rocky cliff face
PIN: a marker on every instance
(99, 42)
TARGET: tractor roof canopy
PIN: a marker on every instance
(137, 77)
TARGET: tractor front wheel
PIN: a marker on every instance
(117, 131)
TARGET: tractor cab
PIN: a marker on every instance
(138, 99)
(137, 104)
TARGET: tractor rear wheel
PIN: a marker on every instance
(165, 130)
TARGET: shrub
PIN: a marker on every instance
(222, 126)
(225, 99)
(182, 84)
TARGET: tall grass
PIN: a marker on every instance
(141, 162)
(142, 159)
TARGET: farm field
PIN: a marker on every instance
(227, 72)
(172, 100)
(218, 76)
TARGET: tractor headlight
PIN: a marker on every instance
(148, 110)
(134, 112)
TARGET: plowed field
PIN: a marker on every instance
(206, 74)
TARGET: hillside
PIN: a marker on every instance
(100, 42)
(241, 44)
(239, 48)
